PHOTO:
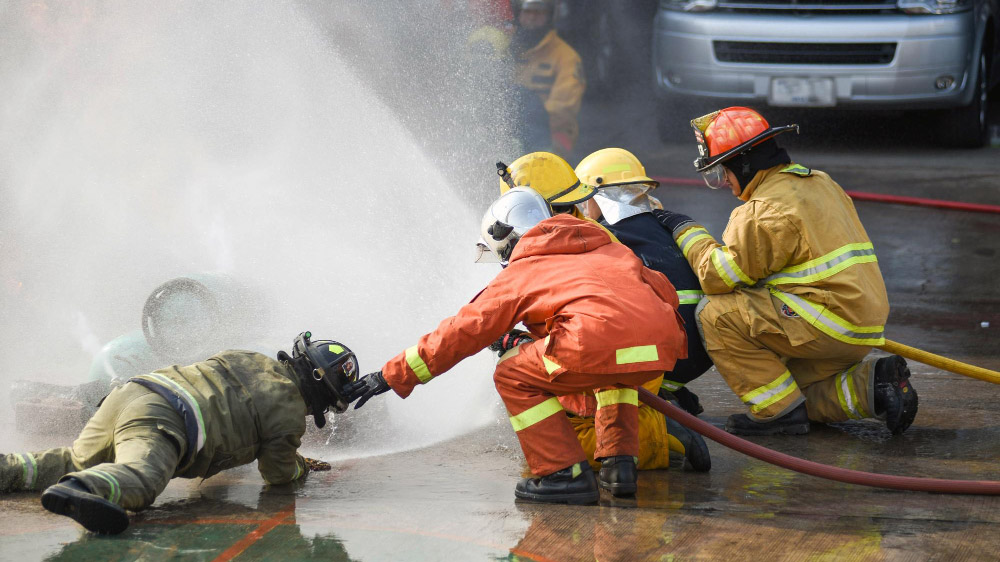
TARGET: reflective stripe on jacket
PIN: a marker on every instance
(599, 309)
(799, 234)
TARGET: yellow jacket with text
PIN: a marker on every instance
(799, 235)
(552, 69)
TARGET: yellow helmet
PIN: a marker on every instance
(612, 166)
(549, 175)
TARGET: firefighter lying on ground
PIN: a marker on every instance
(795, 296)
(601, 323)
(554, 179)
(187, 422)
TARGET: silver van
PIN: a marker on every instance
(863, 54)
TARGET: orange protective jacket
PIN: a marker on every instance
(599, 310)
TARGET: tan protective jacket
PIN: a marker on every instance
(238, 406)
(799, 235)
(552, 69)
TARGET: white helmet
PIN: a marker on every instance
(507, 219)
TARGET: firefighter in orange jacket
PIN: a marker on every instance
(601, 322)
(549, 67)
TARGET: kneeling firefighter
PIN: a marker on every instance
(624, 207)
(600, 322)
(795, 296)
(554, 179)
(188, 422)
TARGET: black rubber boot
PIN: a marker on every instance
(895, 397)
(574, 484)
(73, 499)
(618, 475)
(795, 422)
(695, 450)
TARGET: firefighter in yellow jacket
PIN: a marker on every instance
(555, 180)
(549, 67)
(187, 422)
(795, 296)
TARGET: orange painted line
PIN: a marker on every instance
(256, 534)
(532, 555)
(206, 521)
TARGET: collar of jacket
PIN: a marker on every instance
(543, 44)
(759, 179)
(561, 234)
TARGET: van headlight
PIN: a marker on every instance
(689, 5)
(933, 6)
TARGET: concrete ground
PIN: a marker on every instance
(454, 501)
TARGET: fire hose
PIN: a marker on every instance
(940, 362)
(811, 468)
(876, 197)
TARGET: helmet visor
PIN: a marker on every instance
(484, 254)
(715, 177)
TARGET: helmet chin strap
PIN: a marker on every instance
(314, 393)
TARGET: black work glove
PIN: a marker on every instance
(510, 340)
(365, 387)
(671, 220)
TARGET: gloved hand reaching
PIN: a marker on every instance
(510, 340)
(365, 387)
(671, 220)
(316, 466)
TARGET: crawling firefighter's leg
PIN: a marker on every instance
(146, 450)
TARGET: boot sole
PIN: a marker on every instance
(619, 490)
(908, 400)
(572, 499)
(95, 513)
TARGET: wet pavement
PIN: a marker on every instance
(454, 501)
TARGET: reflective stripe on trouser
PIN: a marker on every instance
(126, 453)
(772, 375)
(654, 449)
(543, 429)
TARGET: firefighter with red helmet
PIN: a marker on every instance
(795, 297)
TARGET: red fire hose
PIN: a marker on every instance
(814, 468)
(876, 197)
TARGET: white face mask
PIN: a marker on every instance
(715, 177)
(619, 202)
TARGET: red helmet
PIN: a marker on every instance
(727, 132)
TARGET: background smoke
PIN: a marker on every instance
(144, 141)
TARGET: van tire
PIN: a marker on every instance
(966, 127)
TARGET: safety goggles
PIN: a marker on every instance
(715, 177)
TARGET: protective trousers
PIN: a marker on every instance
(774, 359)
(654, 442)
(127, 453)
(549, 443)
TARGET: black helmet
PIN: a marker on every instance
(324, 366)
